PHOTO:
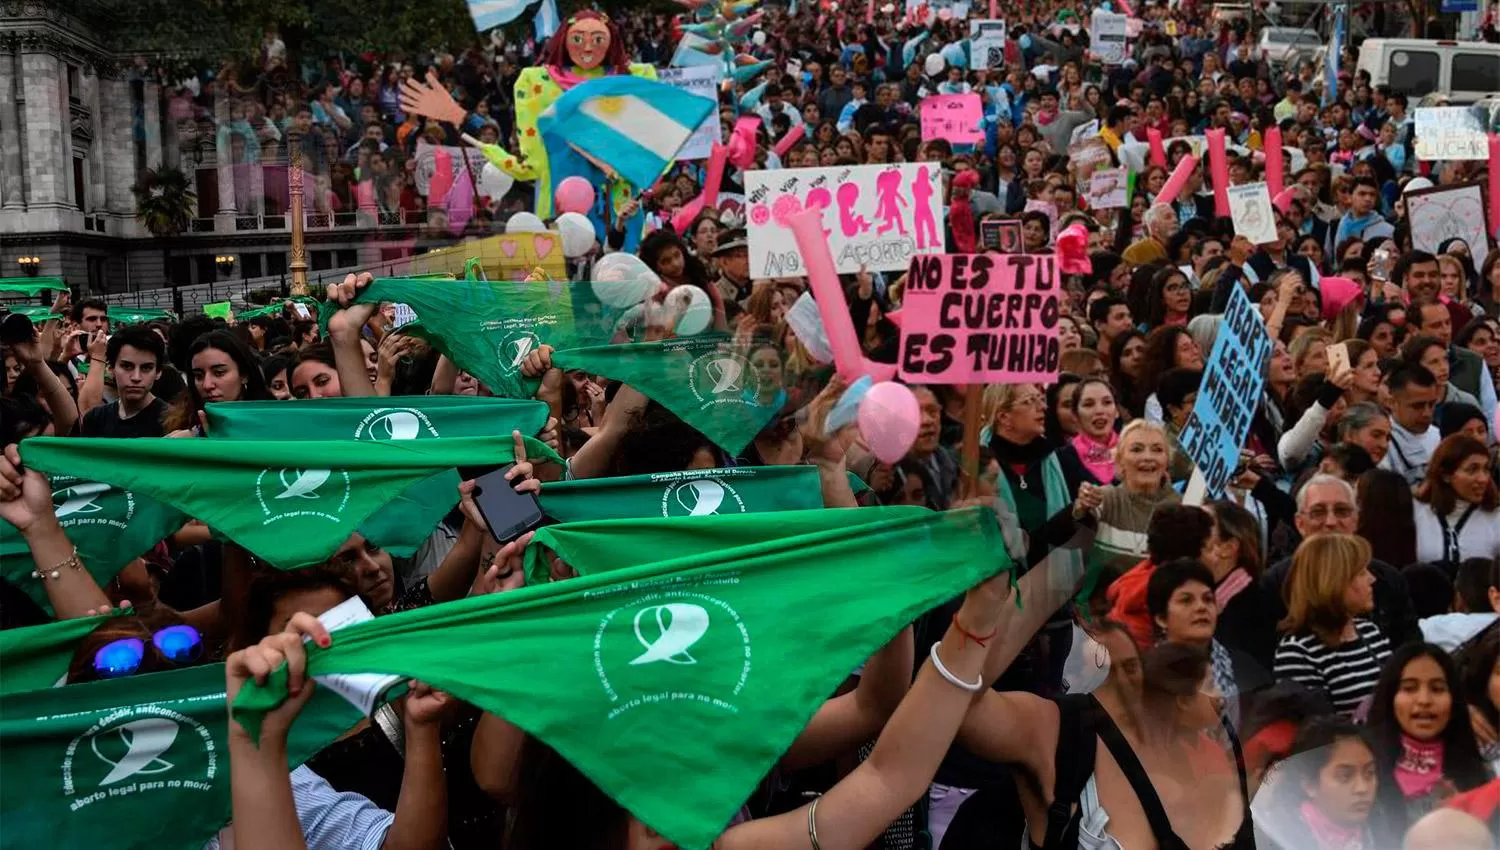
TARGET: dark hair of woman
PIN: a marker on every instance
(1386, 517)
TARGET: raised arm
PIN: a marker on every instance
(344, 331)
(26, 503)
(50, 387)
(845, 722)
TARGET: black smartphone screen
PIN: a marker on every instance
(509, 514)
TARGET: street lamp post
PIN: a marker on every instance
(31, 265)
(298, 264)
(225, 264)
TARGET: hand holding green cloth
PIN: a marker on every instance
(676, 685)
(405, 522)
(138, 763)
(110, 525)
(32, 285)
(691, 492)
(488, 327)
(290, 503)
(37, 657)
(132, 315)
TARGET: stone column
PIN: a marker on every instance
(12, 182)
(224, 163)
(48, 170)
(116, 144)
(151, 97)
(101, 98)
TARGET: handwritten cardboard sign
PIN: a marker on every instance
(1448, 212)
(1232, 382)
(1451, 133)
(1107, 33)
(980, 319)
(877, 215)
(954, 117)
(511, 256)
(1250, 209)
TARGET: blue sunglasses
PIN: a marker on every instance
(177, 644)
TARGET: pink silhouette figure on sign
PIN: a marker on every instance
(851, 222)
(819, 199)
(922, 221)
(888, 202)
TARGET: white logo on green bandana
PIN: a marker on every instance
(673, 645)
(678, 625)
(394, 423)
(513, 349)
(79, 499)
(318, 493)
(721, 377)
(137, 749)
(700, 497)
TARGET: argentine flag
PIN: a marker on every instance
(488, 14)
(633, 125)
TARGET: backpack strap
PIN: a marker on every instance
(1140, 783)
(1073, 764)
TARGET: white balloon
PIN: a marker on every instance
(494, 183)
(577, 234)
(934, 64)
(525, 222)
(759, 38)
(694, 309)
(623, 280)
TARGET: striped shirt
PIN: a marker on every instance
(330, 820)
(1345, 673)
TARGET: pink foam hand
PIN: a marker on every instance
(1218, 166)
(792, 137)
(823, 280)
(742, 142)
(1275, 165)
(1494, 182)
(1073, 250)
(1179, 178)
(1158, 150)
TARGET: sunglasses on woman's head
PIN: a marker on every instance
(180, 645)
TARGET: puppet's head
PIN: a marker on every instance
(588, 40)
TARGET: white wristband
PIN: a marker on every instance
(973, 688)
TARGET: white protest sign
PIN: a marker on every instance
(1250, 208)
(702, 80)
(805, 321)
(1450, 132)
(1107, 189)
(362, 690)
(1448, 212)
(876, 215)
(1107, 36)
(986, 44)
(958, 9)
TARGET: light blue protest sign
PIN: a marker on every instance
(1232, 383)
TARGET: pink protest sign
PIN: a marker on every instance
(980, 319)
(954, 117)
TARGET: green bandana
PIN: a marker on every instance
(693, 492)
(704, 380)
(403, 524)
(138, 763)
(37, 657)
(110, 526)
(131, 315)
(34, 312)
(32, 285)
(292, 504)
(676, 685)
(488, 327)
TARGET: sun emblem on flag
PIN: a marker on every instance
(610, 105)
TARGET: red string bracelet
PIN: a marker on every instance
(968, 635)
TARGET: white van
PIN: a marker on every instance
(1465, 71)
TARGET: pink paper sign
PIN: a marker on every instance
(955, 117)
(980, 319)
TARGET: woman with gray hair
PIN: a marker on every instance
(1368, 426)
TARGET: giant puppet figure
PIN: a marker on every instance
(586, 48)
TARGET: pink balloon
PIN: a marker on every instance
(1218, 165)
(574, 194)
(889, 418)
(1494, 182)
(823, 280)
(1173, 187)
(1275, 165)
(1158, 152)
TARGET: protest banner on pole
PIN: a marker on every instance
(1250, 210)
(1451, 132)
(1448, 212)
(1231, 391)
(986, 44)
(980, 319)
(954, 117)
(702, 80)
(1107, 36)
(879, 216)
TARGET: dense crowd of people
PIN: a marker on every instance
(1310, 661)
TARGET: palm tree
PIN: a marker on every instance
(164, 201)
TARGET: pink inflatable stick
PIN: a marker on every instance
(823, 280)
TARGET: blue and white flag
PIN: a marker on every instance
(1334, 57)
(635, 126)
(546, 21)
(488, 14)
